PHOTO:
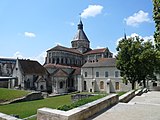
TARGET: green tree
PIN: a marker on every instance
(156, 17)
(148, 62)
(136, 60)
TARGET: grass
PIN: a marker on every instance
(10, 94)
(121, 93)
(26, 109)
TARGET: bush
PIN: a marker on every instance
(80, 102)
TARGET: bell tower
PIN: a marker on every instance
(80, 40)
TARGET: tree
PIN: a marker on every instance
(136, 59)
(156, 17)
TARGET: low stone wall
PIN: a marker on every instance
(139, 92)
(7, 117)
(157, 88)
(127, 96)
(79, 113)
(29, 97)
(77, 97)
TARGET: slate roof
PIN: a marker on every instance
(32, 67)
(7, 60)
(102, 62)
(80, 35)
(60, 73)
(77, 71)
(95, 51)
(62, 48)
(50, 65)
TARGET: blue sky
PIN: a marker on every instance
(28, 28)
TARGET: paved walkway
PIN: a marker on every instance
(144, 107)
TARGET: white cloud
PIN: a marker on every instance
(17, 55)
(99, 47)
(72, 23)
(29, 34)
(137, 18)
(41, 57)
(146, 38)
(91, 11)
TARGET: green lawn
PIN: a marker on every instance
(9, 94)
(26, 109)
(121, 93)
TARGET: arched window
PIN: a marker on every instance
(53, 60)
(62, 61)
(61, 84)
(41, 87)
(101, 85)
(66, 61)
(28, 83)
(57, 60)
(85, 85)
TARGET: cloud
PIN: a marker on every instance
(146, 38)
(91, 11)
(99, 47)
(17, 55)
(29, 34)
(72, 23)
(41, 57)
(137, 18)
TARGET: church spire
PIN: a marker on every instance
(125, 37)
(80, 25)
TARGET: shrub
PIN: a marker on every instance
(79, 102)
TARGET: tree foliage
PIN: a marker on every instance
(156, 17)
(136, 59)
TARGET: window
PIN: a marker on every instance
(85, 74)
(101, 85)
(116, 74)
(117, 85)
(85, 85)
(97, 74)
(106, 74)
(61, 85)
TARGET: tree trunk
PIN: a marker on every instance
(133, 83)
(144, 83)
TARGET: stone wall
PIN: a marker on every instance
(29, 97)
(77, 97)
(7, 117)
(79, 113)
(127, 97)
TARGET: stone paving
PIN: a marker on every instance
(144, 107)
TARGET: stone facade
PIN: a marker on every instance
(78, 54)
(102, 76)
(64, 64)
(6, 66)
(30, 75)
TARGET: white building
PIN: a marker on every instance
(30, 75)
(102, 76)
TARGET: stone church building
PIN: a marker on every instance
(64, 64)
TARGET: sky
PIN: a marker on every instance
(28, 28)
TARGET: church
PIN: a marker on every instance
(78, 68)
(64, 64)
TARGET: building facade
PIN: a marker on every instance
(30, 75)
(78, 54)
(64, 64)
(102, 76)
